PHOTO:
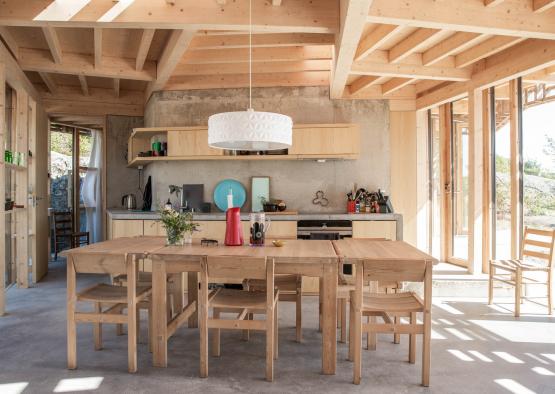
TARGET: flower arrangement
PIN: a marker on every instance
(179, 226)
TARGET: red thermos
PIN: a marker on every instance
(233, 228)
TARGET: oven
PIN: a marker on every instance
(324, 229)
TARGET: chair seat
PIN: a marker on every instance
(397, 302)
(144, 278)
(283, 282)
(232, 298)
(513, 264)
(110, 294)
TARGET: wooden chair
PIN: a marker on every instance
(241, 302)
(290, 290)
(115, 298)
(536, 256)
(389, 306)
(64, 234)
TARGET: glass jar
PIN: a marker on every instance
(258, 227)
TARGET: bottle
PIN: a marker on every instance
(168, 205)
(230, 199)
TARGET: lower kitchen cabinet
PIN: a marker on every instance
(126, 228)
(374, 229)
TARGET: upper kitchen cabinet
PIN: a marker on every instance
(318, 141)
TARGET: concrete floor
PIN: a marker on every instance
(476, 349)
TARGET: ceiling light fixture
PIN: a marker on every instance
(250, 130)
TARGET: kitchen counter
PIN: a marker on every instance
(121, 214)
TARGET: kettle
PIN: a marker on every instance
(129, 202)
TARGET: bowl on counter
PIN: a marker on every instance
(270, 207)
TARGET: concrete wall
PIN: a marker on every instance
(294, 181)
(120, 180)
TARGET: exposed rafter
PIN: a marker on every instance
(470, 16)
(353, 18)
(362, 83)
(10, 41)
(487, 48)
(144, 45)
(49, 82)
(53, 43)
(412, 44)
(542, 5)
(415, 71)
(84, 85)
(457, 42)
(492, 3)
(260, 40)
(78, 64)
(97, 47)
(395, 84)
(374, 39)
(176, 46)
(116, 87)
(258, 67)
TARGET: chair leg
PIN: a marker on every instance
(518, 289)
(97, 328)
(357, 343)
(343, 320)
(397, 337)
(351, 330)
(338, 313)
(549, 294)
(276, 336)
(216, 335)
(320, 302)
(371, 337)
(270, 347)
(412, 340)
(150, 327)
(299, 316)
(138, 324)
(490, 284)
(247, 332)
(426, 348)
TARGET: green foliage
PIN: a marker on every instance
(177, 224)
(532, 167)
(502, 164)
(63, 143)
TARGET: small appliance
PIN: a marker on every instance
(129, 202)
(233, 227)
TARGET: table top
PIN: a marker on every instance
(379, 250)
(292, 249)
(141, 246)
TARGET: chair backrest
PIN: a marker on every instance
(397, 271)
(538, 244)
(63, 222)
(238, 267)
(99, 264)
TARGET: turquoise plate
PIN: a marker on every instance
(222, 190)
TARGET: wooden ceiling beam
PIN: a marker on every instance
(276, 3)
(487, 48)
(258, 55)
(53, 43)
(49, 82)
(395, 84)
(305, 78)
(374, 92)
(412, 44)
(84, 85)
(457, 42)
(415, 71)
(362, 83)
(144, 45)
(542, 5)
(176, 46)
(492, 3)
(97, 47)
(510, 18)
(353, 15)
(116, 87)
(374, 39)
(10, 41)
(260, 40)
(258, 67)
(320, 16)
(79, 64)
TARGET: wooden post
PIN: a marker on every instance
(21, 191)
(445, 180)
(486, 181)
(159, 314)
(2, 189)
(476, 173)
(514, 115)
(329, 318)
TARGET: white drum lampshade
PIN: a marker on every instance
(250, 130)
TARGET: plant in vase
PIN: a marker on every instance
(179, 226)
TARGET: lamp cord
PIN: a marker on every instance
(250, 54)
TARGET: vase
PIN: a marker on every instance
(174, 237)
(188, 238)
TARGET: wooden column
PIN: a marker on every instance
(445, 181)
(21, 191)
(2, 189)
(486, 181)
(515, 164)
(475, 180)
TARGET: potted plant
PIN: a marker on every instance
(179, 226)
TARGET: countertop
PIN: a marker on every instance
(122, 214)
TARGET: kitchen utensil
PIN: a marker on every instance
(270, 207)
(129, 202)
(233, 227)
(258, 227)
(278, 243)
(147, 195)
(320, 199)
(222, 190)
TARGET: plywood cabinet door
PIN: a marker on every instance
(282, 230)
(153, 228)
(192, 142)
(332, 140)
(126, 228)
(374, 229)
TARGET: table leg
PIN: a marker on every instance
(329, 318)
(178, 292)
(192, 295)
(159, 311)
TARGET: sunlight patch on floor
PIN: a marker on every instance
(78, 384)
(513, 386)
(480, 356)
(13, 388)
(508, 357)
(520, 331)
(543, 371)
(460, 355)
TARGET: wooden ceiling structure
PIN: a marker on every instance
(93, 57)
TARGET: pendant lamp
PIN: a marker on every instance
(250, 130)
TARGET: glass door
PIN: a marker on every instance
(459, 182)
